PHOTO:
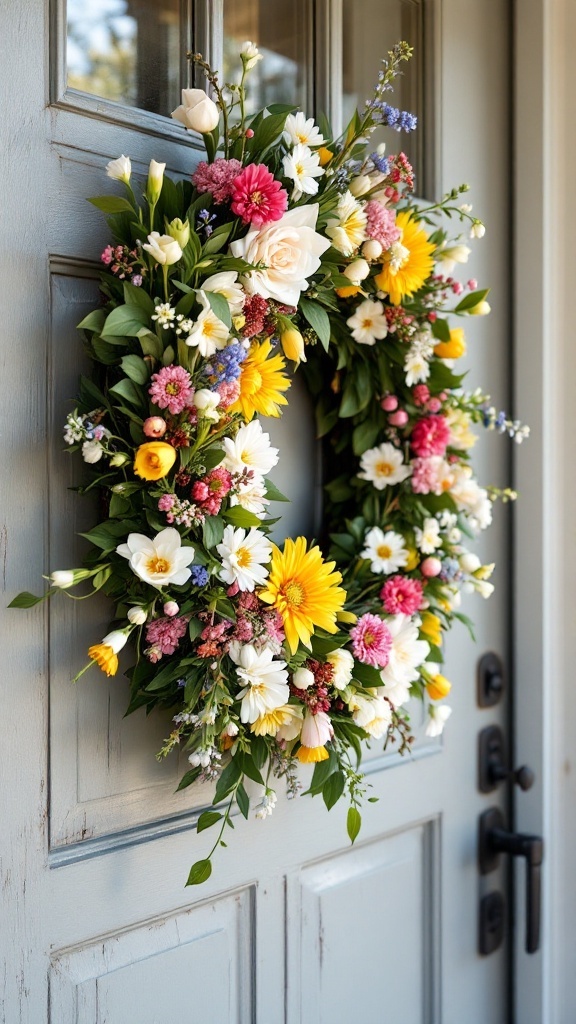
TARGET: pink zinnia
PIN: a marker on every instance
(381, 224)
(401, 595)
(371, 641)
(164, 635)
(257, 197)
(217, 178)
(430, 436)
(428, 475)
(171, 389)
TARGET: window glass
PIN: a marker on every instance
(282, 32)
(370, 29)
(126, 50)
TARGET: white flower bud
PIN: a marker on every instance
(484, 588)
(164, 249)
(469, 562)
(92, 451)
(303, 678)
(62, 578)
(371, 249)
(137, 615)
(119, 459)
(357, 271)
(477, 230)
(206, 402)
(120, 169)
(116, 640)
(360, 184)
(154, 183)
(250, 55)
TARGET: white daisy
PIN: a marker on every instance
(244, 556)
(250, 449)
(383, 466)
(406, 655)
(300, 129)
(302, 166)
(159, 561)
(209, 333)
(251, 495)
(428, 538)
(368, 324)
(386, 551)
(397, 693)
(416, 368)
(264, 681)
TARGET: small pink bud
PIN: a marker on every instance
(472, 284)
(249, 133)
(232, 590)
(171, 608)
(431, 567)
(154, 426)
(457, 288)
(432, 316)
(389, 403)
(442, 396)
(434, 405)
(398, 419)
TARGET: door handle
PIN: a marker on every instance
(494, 839)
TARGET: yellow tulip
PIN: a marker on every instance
(432, 628)
(154, 459)
(454, 348)
(438, 687)
(293, 345)
(324, 155)
(348, 290)
(413, 560)
(481, 309)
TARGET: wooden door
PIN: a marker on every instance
(294, 925)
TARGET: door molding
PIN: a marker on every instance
(544, 606)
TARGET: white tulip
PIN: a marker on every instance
(120, 169)
(357, 271)
(62, 578)
(250, 55)
(154, 183)
(116, 640)
(197, 112)
(469, 562)
(360, 184)
(206, 402)
(163, 248)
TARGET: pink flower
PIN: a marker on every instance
(212, 489)
(257, 197)
(229, 392)
(217, 178)
(420, 394)
(401, 595)
(255, 310)
(430, 436)
(166, 502)
(381, 224)
(429, 475)
(171, 389)
(371, 641)
(164, 635)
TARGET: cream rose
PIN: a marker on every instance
(163, 248)
(289, 250)
(197, 112)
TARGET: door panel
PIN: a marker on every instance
(98, 846)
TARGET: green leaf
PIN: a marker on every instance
(318, 320)
(272, 492)
(212, 457)
(220, 307)
(366, 675)
(217, 239)
(212, 531)
(249, 768)
(471, 300)
(104, 351)
(207, 819)
(184, 305)
(243, 801)
(364, 436)
(259, 751)
(322, 771)
(353, 823)
(127, 389)
(333, 789)
(195, 627)
(188, 778)
(25, 600)
(125, 321)
(239, 516)
(228, 781)
(199, 872)
(93, 322)
(441, 330)
(150, 343)
(267, 132)
(112, 204)
(135, 368)
(138, 297)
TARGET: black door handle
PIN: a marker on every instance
(493, 840)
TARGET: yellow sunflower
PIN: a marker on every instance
(304, 590)
(261, 383)
(408, 263)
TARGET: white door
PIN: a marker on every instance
(294, 925)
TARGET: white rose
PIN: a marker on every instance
(92, 451)
(343, 664)
(120, 169)
(163, 248)
(197, 112)
(289, 250)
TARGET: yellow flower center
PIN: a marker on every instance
(294, 594)
(384, 468)
(153, 460)
(256, 197)
(384, 551)
(209, 329)
(243, 558)
(299, 169)
(172, 388)
(369, 639)
(301, 137)
(157, 564)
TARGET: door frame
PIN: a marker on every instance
(544, 709)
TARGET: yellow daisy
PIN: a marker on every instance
(269, 723)
(261, 383)
(408, 263)
(304, 590)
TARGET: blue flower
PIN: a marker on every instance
(225, 366)
(200, 576)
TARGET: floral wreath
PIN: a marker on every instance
(286, 244)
